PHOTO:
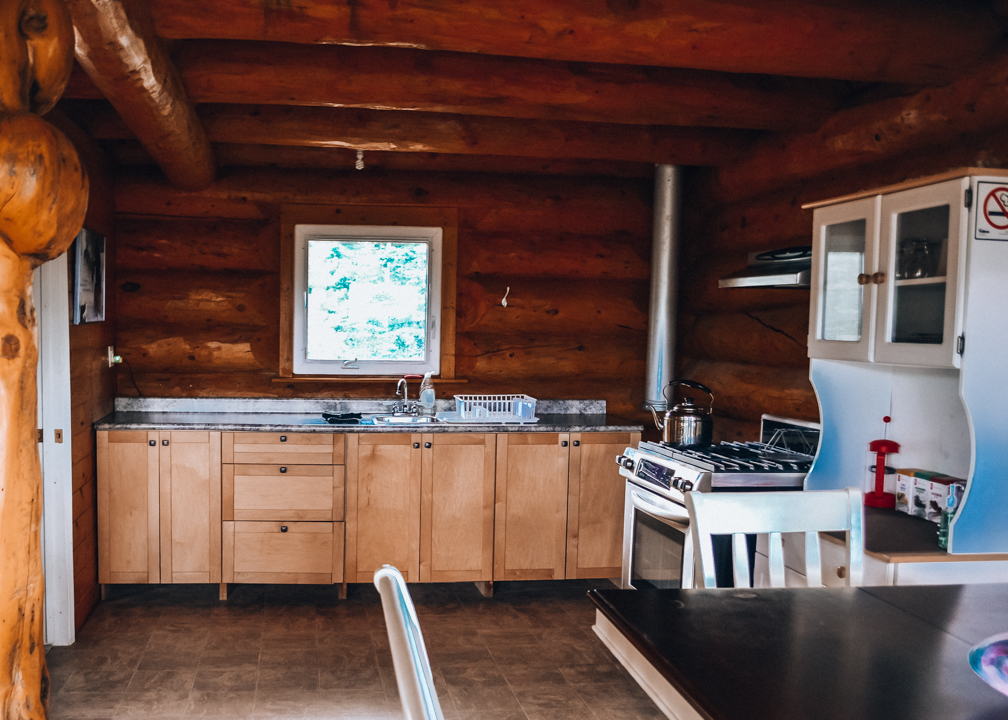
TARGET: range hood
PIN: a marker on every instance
(785, 268)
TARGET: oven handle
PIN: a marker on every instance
(673, 512)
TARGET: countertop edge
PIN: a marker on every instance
(651, 654)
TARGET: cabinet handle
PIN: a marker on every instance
(563, 443)
(153, 443)
(416, 445)
(878, 278)
(841, 571)
(164, 442)
(283, 528)
(577, 443)
(863, 279)
(283, 438)
(283, 469)
(426, 445)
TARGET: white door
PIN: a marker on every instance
(52, 310)
(921, 254)
(844, 258)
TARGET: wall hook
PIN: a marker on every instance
(504, 299)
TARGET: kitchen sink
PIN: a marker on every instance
(404, 419)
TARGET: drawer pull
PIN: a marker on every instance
(164, 442)
(563, 443)
(283, 438)
(283, 528)
(153, 443)
(577, 443)
(841, 572)
(283, 469)
(416, 445)
(426, 445)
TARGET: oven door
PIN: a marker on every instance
(657, 543)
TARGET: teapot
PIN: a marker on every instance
(687, 425)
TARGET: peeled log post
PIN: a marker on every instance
(43, 197)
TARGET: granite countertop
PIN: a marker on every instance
(300, 415)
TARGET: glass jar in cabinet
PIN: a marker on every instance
(921, 253)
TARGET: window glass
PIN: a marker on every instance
(367, 300)
(844, 246)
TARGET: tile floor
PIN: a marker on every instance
(298, 652)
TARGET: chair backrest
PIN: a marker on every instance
(773, 513)
(409, 654)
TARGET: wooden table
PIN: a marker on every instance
(885, 652)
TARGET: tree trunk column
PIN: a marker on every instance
(25, 679)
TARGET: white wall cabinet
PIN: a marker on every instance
(887, 277)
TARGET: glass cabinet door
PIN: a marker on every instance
(920, 244)
(841, 322)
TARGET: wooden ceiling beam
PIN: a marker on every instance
(118, 49)
(396, 131)
(907, 41)
(131, 153)
(975, 103)
(469, 84)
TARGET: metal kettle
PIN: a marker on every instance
(687, 425)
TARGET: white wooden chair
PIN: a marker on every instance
(773, 513)
(409, 654)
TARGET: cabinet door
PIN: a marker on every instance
(844, 257)
(530, 519)
(190, 506)
(383, 505)
(921, 256)
(128, 544)
(595, 495)
(457, 507)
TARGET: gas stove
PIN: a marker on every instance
(672, 472)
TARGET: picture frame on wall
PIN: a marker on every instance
(88, 253)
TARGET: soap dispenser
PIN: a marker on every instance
(427, 395)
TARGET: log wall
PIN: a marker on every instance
(197, 282)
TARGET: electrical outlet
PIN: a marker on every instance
(113, 359)
(58, 435)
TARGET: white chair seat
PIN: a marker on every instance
(772, 513)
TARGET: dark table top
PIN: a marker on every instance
(886, 653)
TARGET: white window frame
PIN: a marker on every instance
(386, 233)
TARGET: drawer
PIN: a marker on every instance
(289, 552)
(282, 448)
(283, 492)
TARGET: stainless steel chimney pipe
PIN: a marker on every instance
(664, 284)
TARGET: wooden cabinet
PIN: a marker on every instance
(888, 276)
(530, 519)
(383, 505)
(159, 507)
(190, 481)
(457, 507)
(595, 495)
(283, 507)
(128, 507)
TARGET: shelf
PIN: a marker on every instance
(937, 280)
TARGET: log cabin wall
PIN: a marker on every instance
(197, 280)
(92, 382)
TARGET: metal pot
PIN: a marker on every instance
(687, 425)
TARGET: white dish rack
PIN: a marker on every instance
(496, 408)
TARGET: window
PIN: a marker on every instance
(367, 299)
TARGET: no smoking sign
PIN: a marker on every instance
(992, 215)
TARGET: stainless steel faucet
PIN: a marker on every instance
(402, 406)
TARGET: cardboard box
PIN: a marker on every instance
(904, 490)
(939, 488)
(921, 497)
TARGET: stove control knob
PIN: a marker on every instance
(685, 486)
(624, 461)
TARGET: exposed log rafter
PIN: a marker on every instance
(117, 47)
(883, 42)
